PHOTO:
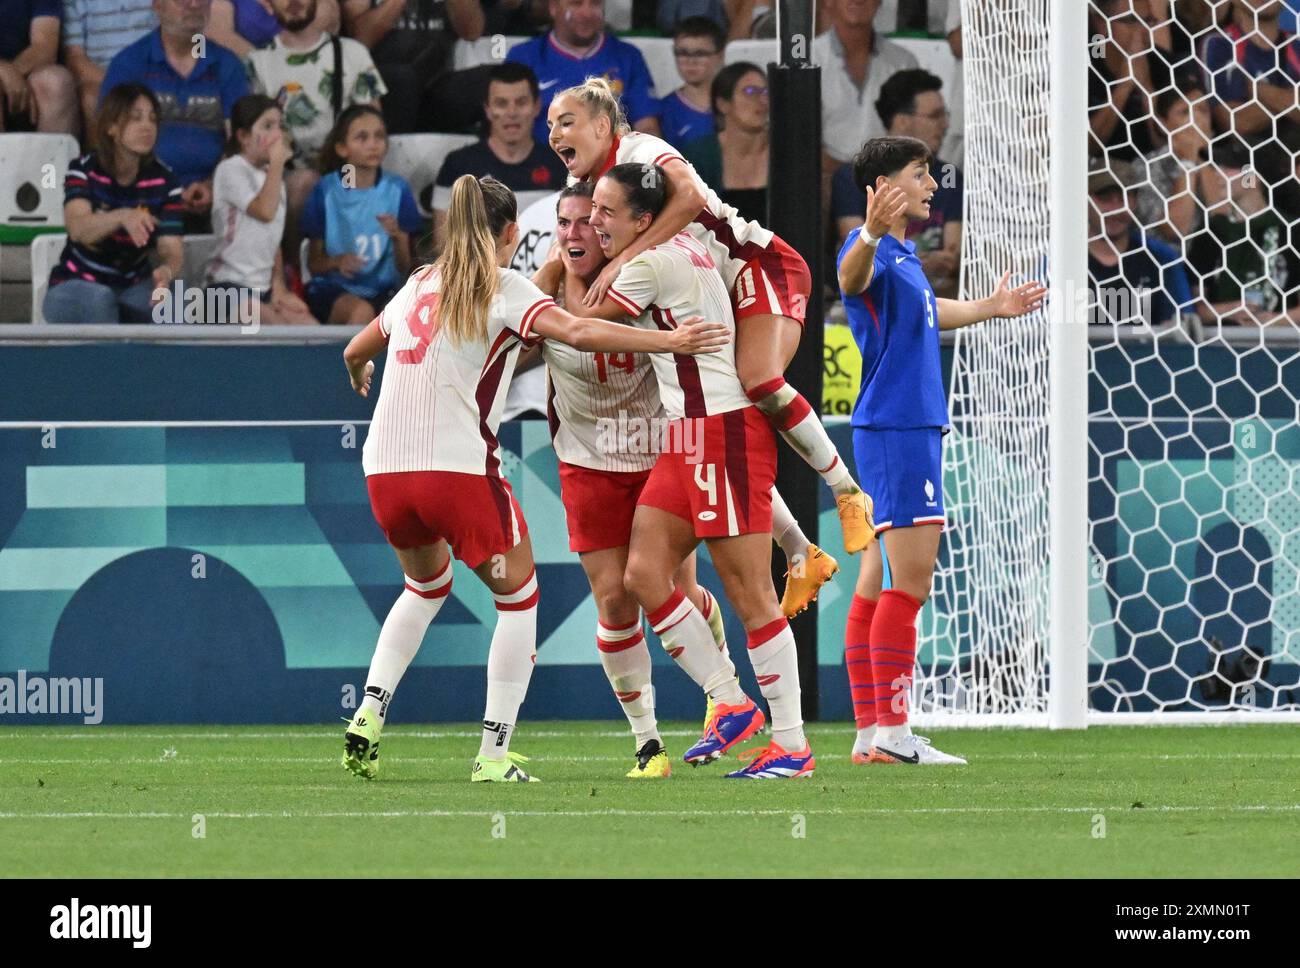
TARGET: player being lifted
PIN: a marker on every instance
(769, 285)
(898, 423)
(602, 472)
(433, 462)
(719, 492)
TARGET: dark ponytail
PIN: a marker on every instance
(644, 186)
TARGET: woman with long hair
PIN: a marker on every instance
(432, 459)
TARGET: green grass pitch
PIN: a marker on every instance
(121, 801)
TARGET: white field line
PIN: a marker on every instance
(253, 758)
(1262, 808)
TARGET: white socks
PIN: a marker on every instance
(510, 666)
(401, 635)
(786, 531)
(866, 738)
(626, 661)
(776, 666)
(687, 640)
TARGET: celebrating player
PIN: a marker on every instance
(432, 459)
(898, 425)
(769, 286)
(594, 399)
(718, 492)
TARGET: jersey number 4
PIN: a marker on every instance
(621, 361)
(422, 321)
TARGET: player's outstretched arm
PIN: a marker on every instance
(1005, 302)
(692, 337)
(684, 203)
(363, 348)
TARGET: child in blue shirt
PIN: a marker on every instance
(357, 220)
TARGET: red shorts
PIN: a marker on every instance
(776, 282)
(725, 488)
(599, 505)
(477, 515)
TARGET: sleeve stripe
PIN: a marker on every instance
(531, 314)
(626, 303)
(668, 156)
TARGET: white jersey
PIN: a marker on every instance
(731, 240)
(661, 288)
(602, 408)
(440, 404)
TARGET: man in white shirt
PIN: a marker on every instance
(855, 62)
(297, 69)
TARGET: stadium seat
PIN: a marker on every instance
(658, 53)
(418, 157)
(197, 252)
(477, 53)
(32, 167)
(45, 252)
(760, 52)
(303, 270)
(934, 56)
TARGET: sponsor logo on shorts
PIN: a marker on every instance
(707, 515)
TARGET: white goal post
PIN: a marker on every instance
(1123, 497)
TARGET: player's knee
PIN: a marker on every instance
(641, 579)
(616, 607)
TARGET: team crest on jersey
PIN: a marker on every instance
(745, 285)
(929, 494)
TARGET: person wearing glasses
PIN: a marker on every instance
(687, 113)
(911, 105)
(734, 160)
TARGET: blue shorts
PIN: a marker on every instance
(902, 470)
(321, 296)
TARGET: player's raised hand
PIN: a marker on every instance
(884, 208)
(695, 336)
(1018, 301)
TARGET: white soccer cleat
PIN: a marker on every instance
(912, 750)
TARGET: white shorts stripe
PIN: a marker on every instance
(733, 528)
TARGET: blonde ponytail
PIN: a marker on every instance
(468, 264)
(598, 97)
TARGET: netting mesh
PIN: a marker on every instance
(1194, 368)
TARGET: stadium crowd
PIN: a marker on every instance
(266, 123)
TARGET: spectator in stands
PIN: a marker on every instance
(578, 46)
(411, 42)
(751, 19)
(1133, 278)
(197, 83)
(93, 33)
(358, 219)
(687, 113)
(242, 26)
(248, 212)
(1170, 198)
(1244, 260)
(733, 162)
(671, 14)
(1252, 66)
(120, 202)
(855, 63)
(509, 154)
(1135, 66)
(36, 93)
(300, 69)
(911, 105)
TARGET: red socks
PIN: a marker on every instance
(857, 660)
(893, 654)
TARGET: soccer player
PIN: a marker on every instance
(769, 285)
(433, 462)
(604, 412)
(718, 491)
(898, 425)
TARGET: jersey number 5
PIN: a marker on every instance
(422, 321)
(622, 361)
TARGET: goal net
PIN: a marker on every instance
(1193, 376)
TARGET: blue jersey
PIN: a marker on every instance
(681, 123)
(895, 323)
(616, 60)
(346, 219)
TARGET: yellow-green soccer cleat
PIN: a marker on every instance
(501, 771)
(651, 762)
(361, 745)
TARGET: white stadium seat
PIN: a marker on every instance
(45, 252)
(197, 251)
(760, 52)
(658, 53)
(32, 168)
(418, 157)
(489, 49)
(934, 56)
